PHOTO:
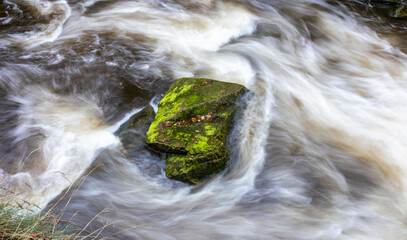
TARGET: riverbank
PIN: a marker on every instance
(14, 225)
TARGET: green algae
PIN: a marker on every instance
(191, 125)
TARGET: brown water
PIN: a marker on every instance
(319, 152)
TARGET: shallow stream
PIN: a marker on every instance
(319, 153)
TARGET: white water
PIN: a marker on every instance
(319, 152)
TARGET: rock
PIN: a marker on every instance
(132, 133)
(140, 121)
(387, 1)
(191, 125)
(398, 7)
(400, 12)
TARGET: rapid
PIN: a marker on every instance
(319, 151)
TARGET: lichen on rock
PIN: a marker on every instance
(191, 125)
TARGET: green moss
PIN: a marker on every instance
(191, 168)
(200, 145)
(191, 123)
(210, 130)
(400, 12)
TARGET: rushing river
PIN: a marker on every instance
(319, 153)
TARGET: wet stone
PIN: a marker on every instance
(191, 126)
(140, 121)
(132, 133)
(398, 7)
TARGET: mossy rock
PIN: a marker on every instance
(191, 125)
(400, 12)
(398, 7)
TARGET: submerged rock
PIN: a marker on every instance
(191, 125)
(398, 7)
(401, 11)
(140, 121)
(132, 133)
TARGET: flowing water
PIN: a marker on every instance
(318, 153)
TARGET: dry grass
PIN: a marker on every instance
(15, 225)
(19, 221)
